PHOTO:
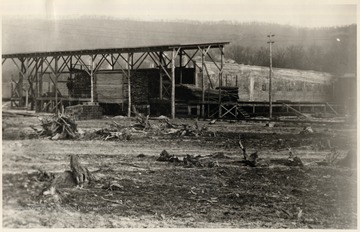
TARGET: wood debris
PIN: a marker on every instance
(330, 158)
(188, 161)
(185, 129)
(57, 127)
(44, 176)
(253, 159)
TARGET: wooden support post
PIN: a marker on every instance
(173, 56)
(202, 83)
(26, 98)
(220, 78)
(26, 77)
(11, 95)
(181, 69)
(71, 77)
(41, 83)
(36, 95)
(56, 82)
(20, 82)
(161, 76)
(92, 78)
(129, 83)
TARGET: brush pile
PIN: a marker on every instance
(114, 132)
(188, 161)
(185, 129)
(57, 127)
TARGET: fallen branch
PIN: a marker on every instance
(116, 202)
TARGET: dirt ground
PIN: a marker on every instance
(156, 194)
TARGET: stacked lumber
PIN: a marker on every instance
(80, 85)
(140, 88)
(193, 93)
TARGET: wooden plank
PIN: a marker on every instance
(296, 111)
(129, 84)
(173, 55)
(332, 109)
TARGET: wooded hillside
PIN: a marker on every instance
(330, 49)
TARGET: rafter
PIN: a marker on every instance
(159, 64)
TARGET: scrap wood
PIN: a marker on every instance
(141, 119)
(171, 125)
(184, 129)
(330, 158)
(44, 176)
(57, 127)
(166, 157)
(248, 160)
(21, 113)
(188, 161)
(112, 201)
(111, 133)
(294, 160)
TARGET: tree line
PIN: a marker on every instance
(316, 58)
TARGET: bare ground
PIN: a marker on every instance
(162, 194)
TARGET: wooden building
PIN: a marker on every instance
(112, 73)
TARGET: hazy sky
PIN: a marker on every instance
(300, 12)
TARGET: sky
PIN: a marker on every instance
(302, 13)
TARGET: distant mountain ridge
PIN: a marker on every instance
(331, 49)
(30, 35)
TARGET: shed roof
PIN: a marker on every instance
(116, 50)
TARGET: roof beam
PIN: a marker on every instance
(168, 48)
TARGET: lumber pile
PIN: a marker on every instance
(193, 93)
(80, 85)
(140, 88)
(57, 127)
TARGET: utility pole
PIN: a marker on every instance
(270, 42)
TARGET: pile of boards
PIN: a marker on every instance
(193, 93)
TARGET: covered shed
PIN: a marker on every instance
(116, 75)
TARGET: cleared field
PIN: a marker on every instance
(150, 193)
